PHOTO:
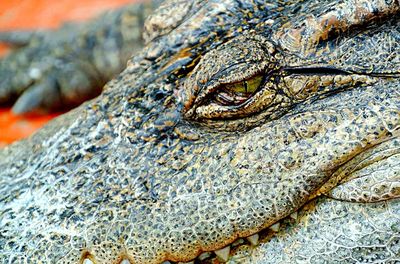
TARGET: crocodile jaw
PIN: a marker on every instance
(125, 177)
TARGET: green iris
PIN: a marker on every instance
(247, 86)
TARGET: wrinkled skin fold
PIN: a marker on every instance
(151, 170)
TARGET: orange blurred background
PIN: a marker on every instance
(31, 14)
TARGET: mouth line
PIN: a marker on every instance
(227, 253)
(368, 156)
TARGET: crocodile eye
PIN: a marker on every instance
(236, 99)
(233, 81)
(239, 92)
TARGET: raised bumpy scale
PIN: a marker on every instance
(243, 132)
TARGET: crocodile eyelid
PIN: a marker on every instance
(229, 64)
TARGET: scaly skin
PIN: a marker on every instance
(63, 68)
(165, 165)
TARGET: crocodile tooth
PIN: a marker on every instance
(223, 253)
(293, 215)
(275, 227)
(125, 261)
(204, 256)
(253, 239)
(87, 261)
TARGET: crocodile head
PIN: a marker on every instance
(276, 122)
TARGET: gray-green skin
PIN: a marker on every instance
(149, 172)
(60, 69)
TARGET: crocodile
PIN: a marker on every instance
(55, 70)
(242, 132)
